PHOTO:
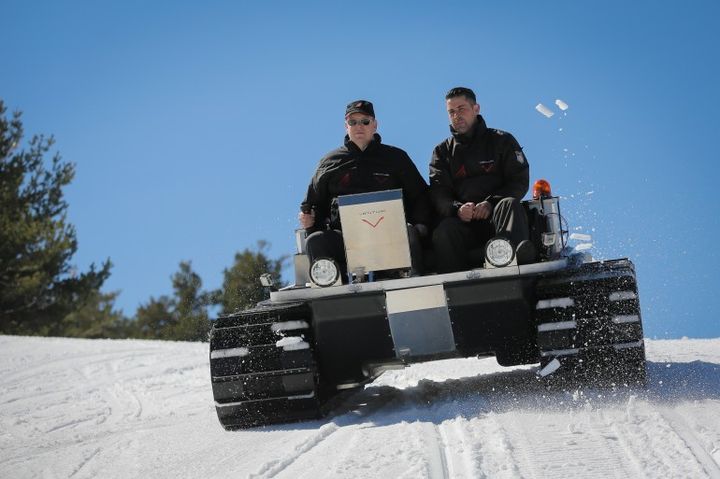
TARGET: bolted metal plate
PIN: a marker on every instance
(419, 321)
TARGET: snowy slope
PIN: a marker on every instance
(97, 408)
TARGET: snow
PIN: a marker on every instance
(229, 353)
(580, 237)
(622, 295)
(292, 343)
(544, 110)
(555, 303)
(289, 326)
(116, 409)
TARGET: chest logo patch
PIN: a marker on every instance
(461, 173)
(381, 178)
(487, 166)
(345, 180)
(520, 157)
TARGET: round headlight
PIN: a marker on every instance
(499, 252)
(324, 272)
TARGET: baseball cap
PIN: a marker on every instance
(360, 106)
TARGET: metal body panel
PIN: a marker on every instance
(419, 321)
(492, 316)
(357, 334)
(349, 332)
(292, 294)
(549, 209)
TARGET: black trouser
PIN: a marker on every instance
(329, 244)
(453, 239)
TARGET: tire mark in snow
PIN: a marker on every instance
(656, 444)
(496, 455)
(590, 450)
(85, 460)
(272, 468)
(681, 428)
(355, 410)
(436, 452)
(457, 451)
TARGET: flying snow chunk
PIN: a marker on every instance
(583, 247)
(544, 110)
(292, 343)
(580, 237)
(549, 368)
(561, 104)
(229, 353)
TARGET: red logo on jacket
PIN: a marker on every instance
(345, 180)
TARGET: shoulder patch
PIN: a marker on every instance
(520, 157)
(499, 132)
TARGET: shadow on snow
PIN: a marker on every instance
(518, 390)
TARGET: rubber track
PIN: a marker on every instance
(590, 320)
(262, 367)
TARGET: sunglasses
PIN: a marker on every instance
(364, 121)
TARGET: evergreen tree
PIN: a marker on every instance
(184, 317)
(241, 285)
(155, 319)
(98, 319)
(38, 285)
(193, 321)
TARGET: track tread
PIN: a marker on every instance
(590, 320)
(255, 379)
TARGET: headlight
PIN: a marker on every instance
(499, 252)
(324, 272)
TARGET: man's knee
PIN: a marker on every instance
(508, 204)
(447, 230)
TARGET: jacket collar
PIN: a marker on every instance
(353, 147)
(476, 132)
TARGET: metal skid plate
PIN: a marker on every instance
(419, 321)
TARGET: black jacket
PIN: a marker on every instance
(484, 164)
(349, 170)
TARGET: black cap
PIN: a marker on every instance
(360, 106)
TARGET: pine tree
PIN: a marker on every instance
(241, 285)
(98, 319)
(193, 321)
(155, 319)
(38, 285)
(182, 317)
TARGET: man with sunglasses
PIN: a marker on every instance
(477, 178)
(363, 164)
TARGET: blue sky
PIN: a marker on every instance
(195, 127)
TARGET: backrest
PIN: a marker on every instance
(374, 231)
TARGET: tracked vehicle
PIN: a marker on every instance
(286, 358)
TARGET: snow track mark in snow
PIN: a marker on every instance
(85, 461)
(550, 445)
(682, 429)
(274, 467)
(459, 450)
(654, 442)
(436, 453)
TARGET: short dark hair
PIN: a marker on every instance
(461, 91)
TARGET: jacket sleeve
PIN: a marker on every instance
(419, 209)
(515, 170)
(317, 198)
(441, 187)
